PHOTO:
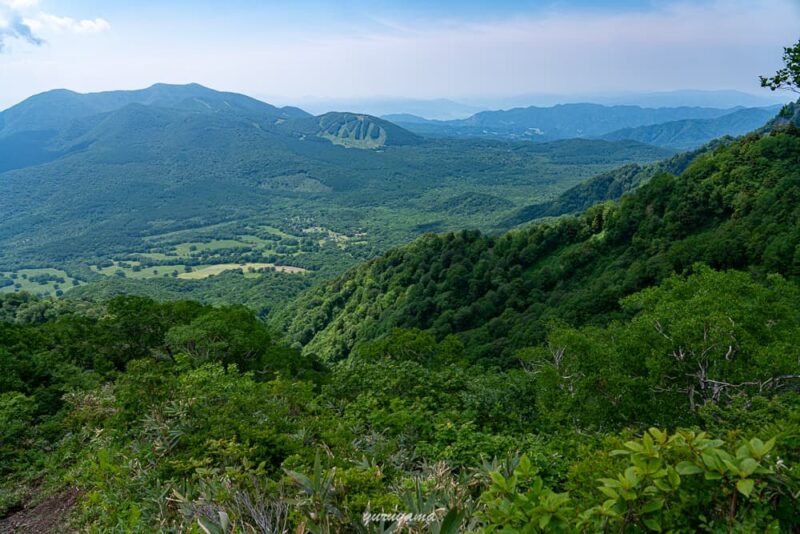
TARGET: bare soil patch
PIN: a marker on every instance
(47, 517)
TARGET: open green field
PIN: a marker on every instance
(36, 281)
(247, 268)
(186, 249)
(202, 252)
(135, 269)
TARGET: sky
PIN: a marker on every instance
(296, 50)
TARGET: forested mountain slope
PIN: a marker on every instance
(354, 130)
(613, 184)
(53, 110)
(690, 133)
(608, 186)
(735, 207)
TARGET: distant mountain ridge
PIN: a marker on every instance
(675, 128)
(689, 133)
(444, 109)
(52, 109)
(67, 112)
(404, 117)
(594, 120)
(435, 109)
(713, 98)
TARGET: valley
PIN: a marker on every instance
(268, 185)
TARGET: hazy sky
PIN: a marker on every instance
(340, 48)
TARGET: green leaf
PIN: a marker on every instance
(224, 521)
(652, 506)
(544, 520)
(711, 444)
(660, 436)
(743, 452)
(632, 476)
(640, 462)
(711, 462)
(634, 446)
(452, 521)
(748, 466)
(745, 486)
(498, 479)
(663, 486)
(674, 478)
(654, 468)
(652, 524)
(688, 468)
(609, 492)
(208, 527)
(525, 464)
(731, 467)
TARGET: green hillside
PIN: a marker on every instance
(691, 133)
(733, 207)
(607, 186)
(354, 130)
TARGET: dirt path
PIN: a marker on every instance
(48, 517)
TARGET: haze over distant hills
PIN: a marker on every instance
(680, 98)
(436, 108)
(681, 127)
(463, 107)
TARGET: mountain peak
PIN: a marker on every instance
(362, 131)
(193, 85)
(55, 109)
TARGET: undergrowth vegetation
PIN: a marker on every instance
(181, 417)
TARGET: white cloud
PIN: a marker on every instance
(13, 27)
(55, 22)
(22, 20)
